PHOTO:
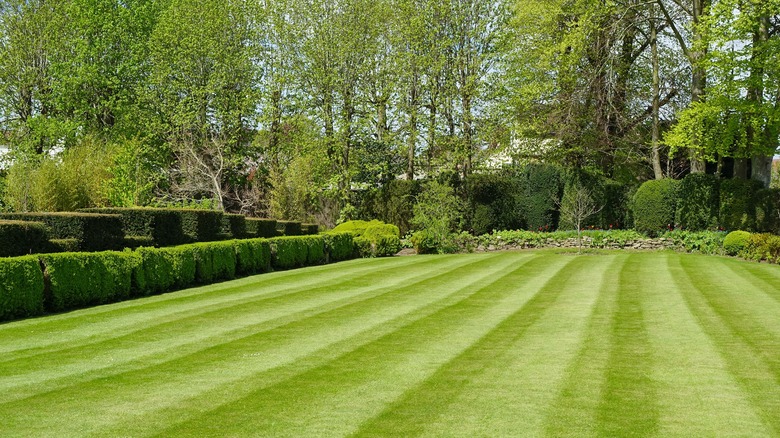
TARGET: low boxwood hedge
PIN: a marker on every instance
(21, 288)
(338, 246)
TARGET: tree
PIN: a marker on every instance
(576, 207)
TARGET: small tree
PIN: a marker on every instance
(436, 215)
(576, 207)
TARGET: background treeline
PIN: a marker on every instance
(313, 110)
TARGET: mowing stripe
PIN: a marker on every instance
(74, 326)
(693, 383)
(179, 339)
(576, 407)
(235, 360)
(749, 358)
(499, 385)
(628, 401)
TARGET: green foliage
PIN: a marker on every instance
(95, 232)
(654, 206)
(162, 225)
(493, 203)
(393, 203)
(19, 238)
(308, 229)
(261, 227)
(159, 270)
(289, 252)
(253, 256)
(698, 200)
(767, 204)
(542, 186)
(608, 195)
(437, 214)
(315, 250)
(234, 225)
(214, 261)
(338, 245)
(75, 280)
(705, 242)
(762, 246)
(21, 288)
(737, 204)
(200, 225)
(372, 238)
(288, 228)
(63, 245)
(736, 242)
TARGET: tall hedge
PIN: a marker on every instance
(21, 288)
(289, 228)
(738, 204)
(163, 226)
(94, 232)
(767, 207)
(261, 227)
(698, 202)
(75, 280)
(493, 203)
(392, 203)
(655, 205)
(608, 195)
(200, 225)
(542, 185)
(234, 225)
(20, 238)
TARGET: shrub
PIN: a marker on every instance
(698, 199)
(95, 232)
(735, 242)
(309, 229)
(163, 226)
(654, 206)
(493, 203)
(261, 227)
(338, 246)
(252, 256)
(542, 185)
(75, 280)
(374, 238)
(21, 288)
(214, 261)
(234, 225)
(20, 238)
(762, 246)
(737, 204)
(200, 225)
(288, 252)
(608, 196)
(705, 242)
(288, 228)
(159, 270)
(62, 245)
(315, 254)
(393, 203)
(767, 204)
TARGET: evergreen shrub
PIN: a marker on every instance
(338, 246)
(234, 225)
(21, 288)
(159, 270)
(698, 201)
(767, 207)
(253, 256)
(20, 238)
(608, 195)
(94, 232)
(654, 206)
(163, 226)
(493, 203)
(309, 229)
(288, 228)
(214, 261)
(392, 203)
(261, 227)
(738, 204)
(288, 252)
(736, 242)
(75, 280)
(542, 184)
(200, 225)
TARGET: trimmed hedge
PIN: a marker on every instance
(253, 256)
(159, 270)
(295, 251)
(738, 204)
(338, 246)
(288, 228)
(94, 232)
(309, 229)
(493, 203)
(261, 227)
(201, 225)
(75, 280)
(655, 206)
(234, 225)
(767, 207)
(610, 196)
(214, 261)
(542, 185)
(19, 238)
(392, 203)
(21, 288)
(372, 239)
(698, 199)
(163, 226)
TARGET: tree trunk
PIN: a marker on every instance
(761, 164)
(699, 76)
(657, 170)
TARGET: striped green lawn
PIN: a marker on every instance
(500, 344)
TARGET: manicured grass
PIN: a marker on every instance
(499, 344)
